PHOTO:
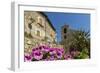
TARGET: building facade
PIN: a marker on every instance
(37, 29)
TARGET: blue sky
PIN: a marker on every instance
(74, 20)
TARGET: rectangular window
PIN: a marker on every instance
(38, 33)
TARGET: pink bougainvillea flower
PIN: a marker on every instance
(27, 58)
(60, 49)
(52, 51)
(45, 48)
(52, 57)
(67, 56)
(37, 54)
(59, 54)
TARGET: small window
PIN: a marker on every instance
(30, 26)
(65, 30)
(65, 37)
(51, 35)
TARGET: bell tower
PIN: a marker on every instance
(64, 31)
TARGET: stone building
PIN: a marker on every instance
(38, 29)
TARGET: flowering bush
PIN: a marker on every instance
(47, 53)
